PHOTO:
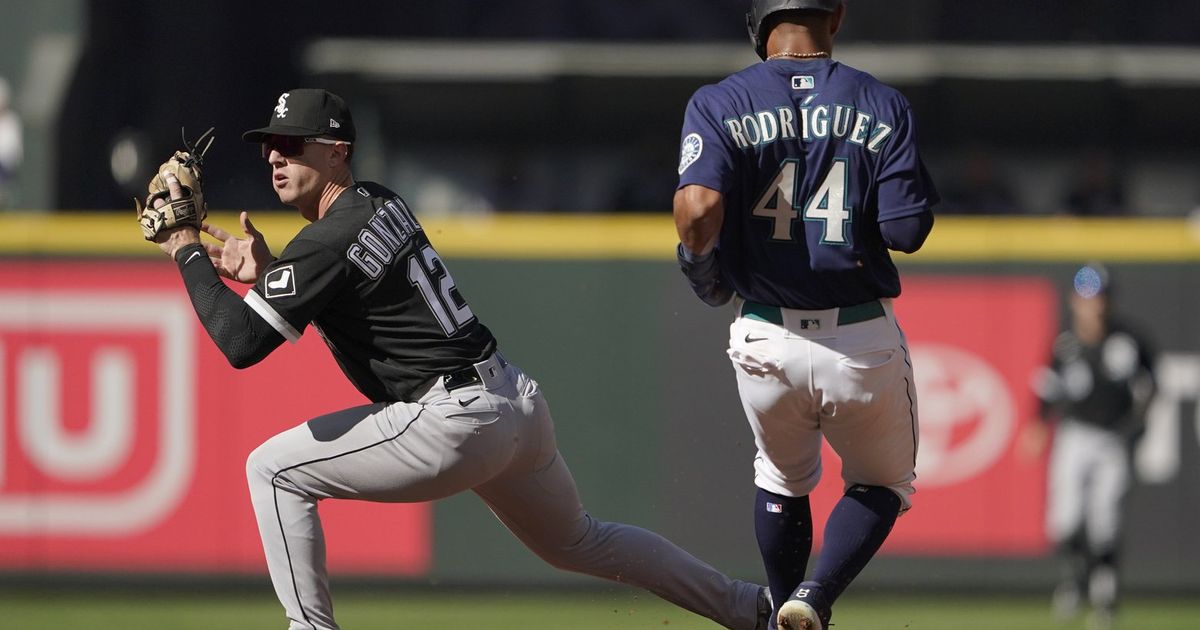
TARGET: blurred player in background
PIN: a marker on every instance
(1095, 393)
(11, 150)
(796, 177)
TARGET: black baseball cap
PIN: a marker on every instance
(307, 112)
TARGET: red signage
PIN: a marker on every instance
(124, 432)
(975, 342)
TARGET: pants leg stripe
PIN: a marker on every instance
(912, 419)
(279, 518)
(908, 391)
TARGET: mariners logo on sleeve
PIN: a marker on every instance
(280, 282)
(689, 152)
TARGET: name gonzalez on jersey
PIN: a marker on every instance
(843, 122)
(384, 236)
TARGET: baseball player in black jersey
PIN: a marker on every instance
(448, 413)
(1095, 392)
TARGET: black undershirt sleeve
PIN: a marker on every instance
(241, 334)
(907, 234)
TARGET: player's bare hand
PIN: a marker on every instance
(170, 241)
(240, 259)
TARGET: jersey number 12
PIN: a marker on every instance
(449, 314)
(827, 204)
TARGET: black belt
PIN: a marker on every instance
(467, 376)
(846, 314)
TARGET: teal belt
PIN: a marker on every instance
(846, 314)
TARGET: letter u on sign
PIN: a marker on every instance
(42, 396)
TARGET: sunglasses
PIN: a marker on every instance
(291, 146)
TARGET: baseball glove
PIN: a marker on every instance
(189, 209)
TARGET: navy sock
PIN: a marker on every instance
(857, 527)
(783, 526)
(1076, 561)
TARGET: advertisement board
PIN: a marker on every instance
(124, 432)
(976, 342)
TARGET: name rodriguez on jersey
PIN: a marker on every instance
(807, 123)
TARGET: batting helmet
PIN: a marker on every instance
(760, 9)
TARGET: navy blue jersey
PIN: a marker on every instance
(810, 157)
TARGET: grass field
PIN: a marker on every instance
(530, 611)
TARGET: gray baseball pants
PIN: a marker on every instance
(496, 438)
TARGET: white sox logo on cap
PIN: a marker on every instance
(281, 109)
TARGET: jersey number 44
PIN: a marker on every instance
(827, 204)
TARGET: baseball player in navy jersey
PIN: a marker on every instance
(1094, 393)
(796, 177)
(448, 413)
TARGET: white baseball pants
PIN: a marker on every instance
(809, 377)
(1088, 477)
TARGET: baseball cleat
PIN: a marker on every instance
(765, 607)
(806, 609)
(798, 615)
(1101, 619)
(1066, 603)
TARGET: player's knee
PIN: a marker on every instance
(563, 557)
(559, 558)
(573, 552)
(799, 482)
(882, 499)
(260, 466)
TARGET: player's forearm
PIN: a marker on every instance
(241, 335)
(699, 213)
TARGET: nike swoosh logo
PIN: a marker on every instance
(750, 339)
(467, 402)
(189, 258)
(281, 282)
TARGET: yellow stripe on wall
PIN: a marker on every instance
(1049, 239)
(637, 237)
